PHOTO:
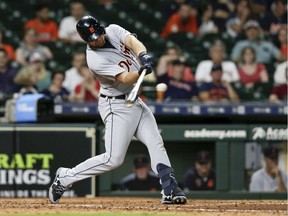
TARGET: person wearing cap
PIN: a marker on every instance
(269, 178)
(218, 90)
(164, 64)
(36, 67)
(217, 53)
(266, 51)
(201, 176)
(36, 62)
(178, 88)
(142, 178)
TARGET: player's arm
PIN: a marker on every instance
(139, 50)
(135, 45)
(127, 77)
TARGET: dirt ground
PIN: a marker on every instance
(148, 205)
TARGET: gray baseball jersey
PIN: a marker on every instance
(121, 122)
(261, 181)
(106, 63)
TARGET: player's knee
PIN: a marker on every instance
(115, 162)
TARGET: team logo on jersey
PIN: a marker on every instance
(91, 29)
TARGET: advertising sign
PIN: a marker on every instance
(203, 132)
(268, 132)
(28, 162)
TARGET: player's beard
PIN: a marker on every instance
(98, 43)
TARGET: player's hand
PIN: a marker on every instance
(146, 62)
(148, 69)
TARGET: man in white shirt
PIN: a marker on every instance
(270, 178)
(265, 50)
(217, 55)
(67, 29)
(280, 73)
(72, 75)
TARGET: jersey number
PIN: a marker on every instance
(125, 64)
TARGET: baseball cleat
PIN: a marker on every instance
(56, 190)
(176, 197)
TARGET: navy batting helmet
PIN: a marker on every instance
(89, 28)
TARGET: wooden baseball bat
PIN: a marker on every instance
(133, 94)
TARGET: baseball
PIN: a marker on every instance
(161, 87)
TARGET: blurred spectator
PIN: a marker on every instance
(235, 22)
(72, 75)
(178, 89)
(88, 89)
(282, 41)
(142, 178)
(46, 28)
(107, 3)
(7, 74)
(280, 73)
(56, 91)
(172, 6)
(275, 18)
(201, 176)
(217, 90)
(30, 45)
(279, 92)
(259, 7)
(67, 29)
(26, 79)
(217, 54)
(269, 178)
(266, 51)
(205, 23)
(221, 11)
(7, 47)
(37, 67)
(250, 71)
(165, 63)
(182, 21)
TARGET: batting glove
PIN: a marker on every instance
(148, 68)
(146, 62)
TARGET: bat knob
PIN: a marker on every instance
(129, 103)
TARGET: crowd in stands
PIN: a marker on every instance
(255, 56)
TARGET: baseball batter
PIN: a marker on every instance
(113, 55)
